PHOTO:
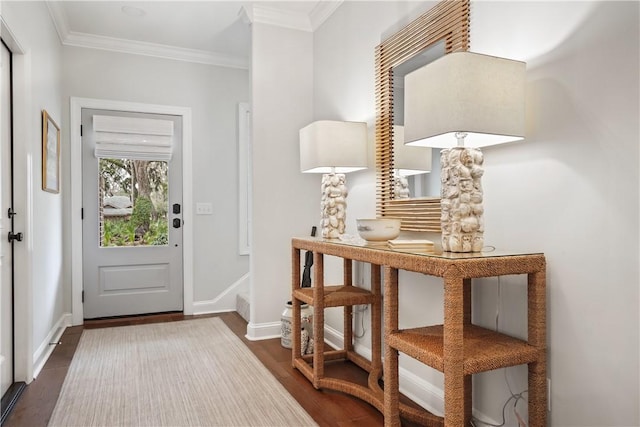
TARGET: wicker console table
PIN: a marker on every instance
(457, 347)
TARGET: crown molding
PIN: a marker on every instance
(322, 11)
(153, 49)
(280, 18)
(59, 19)
(258, 13)
(92, 41)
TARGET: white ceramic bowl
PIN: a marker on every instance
(378, 229)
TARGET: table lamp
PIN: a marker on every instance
(333, 148)
(407, 161)
(461, 102)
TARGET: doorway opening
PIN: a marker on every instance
(10, 389)
(77, 106)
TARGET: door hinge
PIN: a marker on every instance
(81, 213)
(80, 130)
(82, 296)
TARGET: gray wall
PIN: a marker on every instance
(213, 94)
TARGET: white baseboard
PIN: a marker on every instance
(263, 331)
(333, 337)
(46, 347)
(224, 302)
(422, 392)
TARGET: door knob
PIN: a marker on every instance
(16, 236)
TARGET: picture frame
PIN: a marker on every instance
(50, 154)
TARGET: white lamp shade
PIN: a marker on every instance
(333, 146)
(480, 95)
(409, 160)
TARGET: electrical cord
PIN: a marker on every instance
(516, 397)
(364, 331)
(498, 305)
(360, 272)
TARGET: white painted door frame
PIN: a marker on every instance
(23, 133)
(76, 106)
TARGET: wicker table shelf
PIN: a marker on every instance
(457, 348)
(336, 296)
(484, 349)
(322, 296)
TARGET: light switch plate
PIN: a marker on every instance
(204, 209)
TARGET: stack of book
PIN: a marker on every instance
(412, 245)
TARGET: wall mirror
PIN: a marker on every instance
(420, 184)
(442, 29)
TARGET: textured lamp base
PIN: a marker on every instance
(333, 205)
(401, 188)
(462, 212)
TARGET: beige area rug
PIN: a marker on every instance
(186, 373)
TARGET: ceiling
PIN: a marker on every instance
(213, 32)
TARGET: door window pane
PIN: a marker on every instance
(133, 203)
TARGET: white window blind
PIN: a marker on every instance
(133, 138)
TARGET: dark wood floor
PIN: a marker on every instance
(326, 407)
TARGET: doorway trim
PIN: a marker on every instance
(23, 202)
(76, 106)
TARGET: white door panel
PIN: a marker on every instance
(134, 278)
(6, 273)
(131, 265)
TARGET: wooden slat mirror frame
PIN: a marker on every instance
(447, 21)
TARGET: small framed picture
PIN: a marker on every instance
(50, 154)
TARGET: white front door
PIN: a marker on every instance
(132, 220)
(6, 249)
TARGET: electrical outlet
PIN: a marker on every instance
(549, 394)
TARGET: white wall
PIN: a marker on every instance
(285, 202)
(570, 190)
(40, 283)
(573, 182)
(213, 94)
